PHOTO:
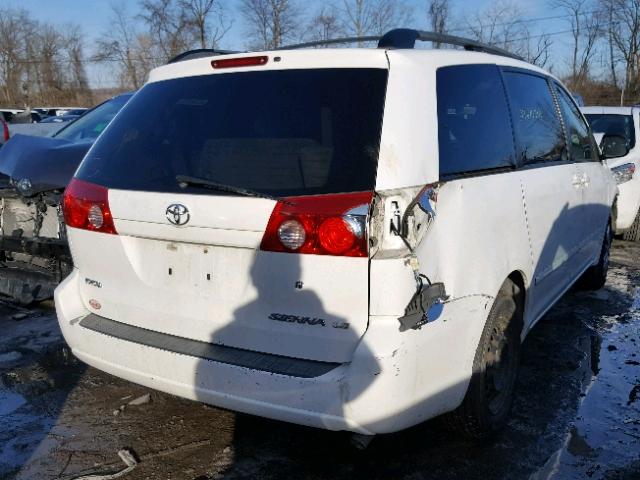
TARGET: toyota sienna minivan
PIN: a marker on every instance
(351, 239)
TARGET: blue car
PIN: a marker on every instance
(34, 172)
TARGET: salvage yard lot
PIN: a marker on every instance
(576, 413)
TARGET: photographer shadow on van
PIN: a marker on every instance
(288, 355)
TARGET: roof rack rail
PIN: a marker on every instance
(330, 41)
(199, 53)
(406, 38)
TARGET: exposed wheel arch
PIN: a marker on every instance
(485, 407)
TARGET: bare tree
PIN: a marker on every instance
(199, 13)
(120, 44)
(12, 53)
(586, 29)
(270, 23)
(534, 48)
(40, 62)
(500, 24)
(325, 24)
(74, 47)
(168, 24)
(608, 7)
(625, 36)
(49, 49)
(439, 13)
(373, 17)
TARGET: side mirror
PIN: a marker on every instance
(614, 146)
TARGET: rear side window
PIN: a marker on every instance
(579, 138)
(536, 124)
(613, 124)
(474, 129)
(284, 133)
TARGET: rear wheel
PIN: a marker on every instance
(633, 233)
(485, 408)
(595, 277)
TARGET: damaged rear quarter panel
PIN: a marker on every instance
(409, 141)
(477, 240)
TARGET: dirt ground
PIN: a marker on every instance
(576, 413)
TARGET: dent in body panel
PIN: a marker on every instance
(477, 240)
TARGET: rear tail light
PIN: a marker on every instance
(5, 131)
(320, 225)
(623, 173)
(86, 206)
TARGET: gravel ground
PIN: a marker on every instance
(576, 413)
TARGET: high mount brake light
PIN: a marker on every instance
(320, 225)
(86, 206)
(240, 62)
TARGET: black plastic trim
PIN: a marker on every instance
(266, 362)
(200, 53)
(39, 247)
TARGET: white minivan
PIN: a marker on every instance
(351, 239)
(618, 128)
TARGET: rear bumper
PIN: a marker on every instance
(395, 380)
(628, 204)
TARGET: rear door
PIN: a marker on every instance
(187, 259)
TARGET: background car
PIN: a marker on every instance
(75, 111)
(60, 119)
(617, 130)
(34, 172)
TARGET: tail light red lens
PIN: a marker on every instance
(320, 225)
(5, 131)
(240, 62)
(86, 206)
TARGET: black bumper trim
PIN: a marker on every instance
(266, 362)
(39, 247)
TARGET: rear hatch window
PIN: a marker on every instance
(282, 133)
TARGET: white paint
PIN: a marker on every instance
(486, 227)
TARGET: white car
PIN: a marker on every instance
(619, 127)
(352, 239)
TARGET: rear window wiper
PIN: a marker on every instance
(186, 180)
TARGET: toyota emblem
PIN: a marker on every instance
(178, 214)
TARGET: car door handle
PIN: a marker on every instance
(580, 180)
(577, 180)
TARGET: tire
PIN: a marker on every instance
(633, 233)
(595, 277)
(486, 405)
